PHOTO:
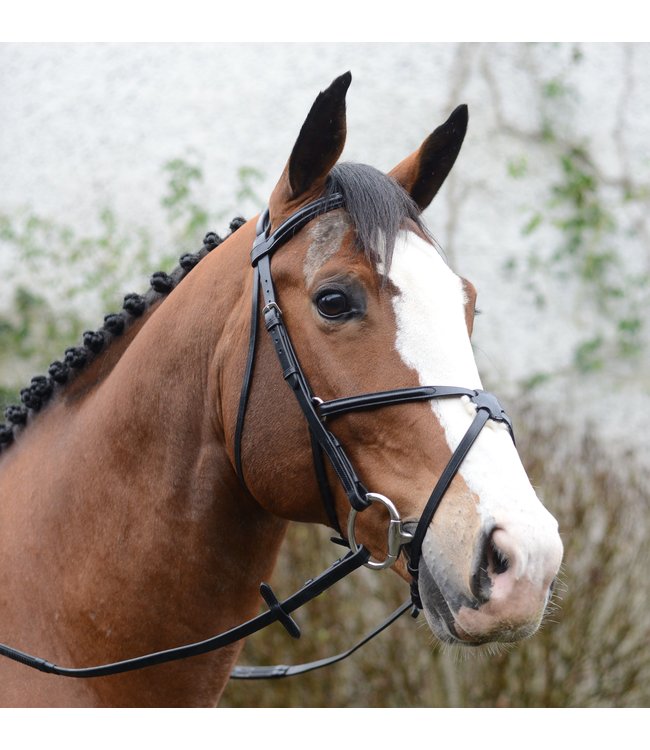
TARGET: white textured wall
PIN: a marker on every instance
(85, 126)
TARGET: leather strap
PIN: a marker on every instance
(278, 611)
(441, 487)
(267, 245)
(248, 377)
(389, 398)
(324, 485)
(487, 407)
(291, 371)
(285, 670)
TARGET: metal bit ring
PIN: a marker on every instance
(396, 534)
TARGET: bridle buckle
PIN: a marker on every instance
(272, 315)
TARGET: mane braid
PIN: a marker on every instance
(43, 387)
(378, 207)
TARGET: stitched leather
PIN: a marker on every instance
(293, 374)
(284, 670)
(389, 398)
(267, 245)
(445, 479)
(248, 378)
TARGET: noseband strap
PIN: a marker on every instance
(388, 398)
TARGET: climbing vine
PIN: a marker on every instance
(584, 234)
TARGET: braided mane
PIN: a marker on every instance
(76, 359)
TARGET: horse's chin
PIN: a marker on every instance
(440, 628)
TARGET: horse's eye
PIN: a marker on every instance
(333, 304)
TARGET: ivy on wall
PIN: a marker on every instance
(585, 228)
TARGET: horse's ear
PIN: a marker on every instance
(422, 173)
(317, 149)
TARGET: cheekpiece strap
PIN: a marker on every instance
(264, 247)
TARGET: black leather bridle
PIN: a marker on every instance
(318, 415)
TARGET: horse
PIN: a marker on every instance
(146, 483)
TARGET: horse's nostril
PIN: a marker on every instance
(490, 563)
(480, 583)
(497, 561)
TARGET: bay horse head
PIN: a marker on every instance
(372, 307)
(147, 481)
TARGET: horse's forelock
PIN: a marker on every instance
(378, 207)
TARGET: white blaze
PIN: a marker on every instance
(432, 339)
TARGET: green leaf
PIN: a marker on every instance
(532, 224)
(518, 168)
(587, 357)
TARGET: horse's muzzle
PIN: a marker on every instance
(506, 592)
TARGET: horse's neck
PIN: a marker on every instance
(132, 529)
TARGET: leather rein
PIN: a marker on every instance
(324, 444)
